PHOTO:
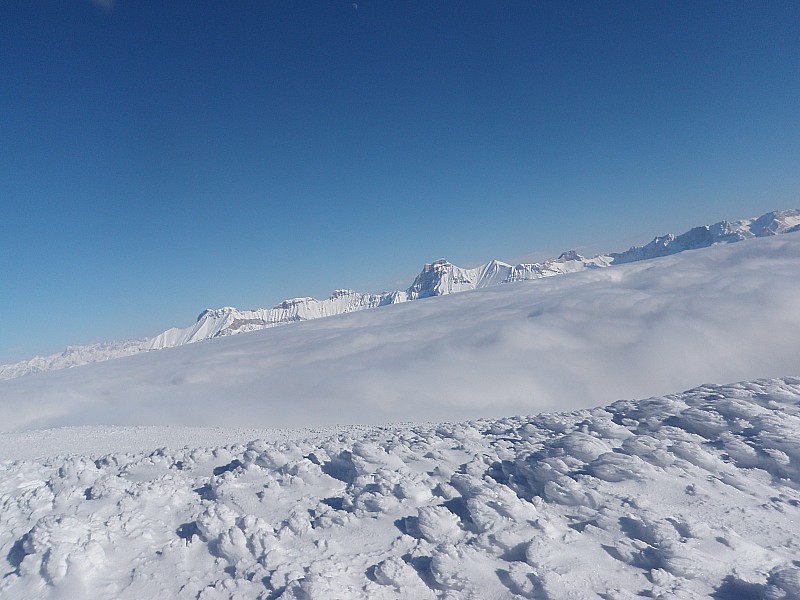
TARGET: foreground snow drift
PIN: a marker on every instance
(690, 495)
(724, 313)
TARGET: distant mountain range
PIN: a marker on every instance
(436, 279)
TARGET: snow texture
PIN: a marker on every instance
(724, 313)
(436, 279)
(692, 495)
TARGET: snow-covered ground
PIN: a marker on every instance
(296, 488)
(719, 314)
(693, 495)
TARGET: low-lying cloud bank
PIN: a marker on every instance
(724, 313)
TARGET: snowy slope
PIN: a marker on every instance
(436, 279)
(723, 313)
(693, 495)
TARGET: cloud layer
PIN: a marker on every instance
(721, 314)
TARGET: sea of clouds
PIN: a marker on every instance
(720, 314)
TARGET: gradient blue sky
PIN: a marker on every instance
(158, 158)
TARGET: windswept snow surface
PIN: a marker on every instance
(723, 313)
(692, 495)
(436, 279)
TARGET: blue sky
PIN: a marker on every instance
(158, 158)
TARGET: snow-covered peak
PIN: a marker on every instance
(776, 222)
(772, 223)
(569, 255)
(442, 277)
(216, 313)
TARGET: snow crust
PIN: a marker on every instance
(691, 495)
(436, 279)
(723, 313)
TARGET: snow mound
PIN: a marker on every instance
(691, 495)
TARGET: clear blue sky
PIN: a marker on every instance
(158, 158)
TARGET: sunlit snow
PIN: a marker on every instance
(693, 495)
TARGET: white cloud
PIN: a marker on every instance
(721, 314)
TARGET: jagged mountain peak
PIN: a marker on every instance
(216, 313)
(439, 265)
(292, 302)
(569, 255)
(771, 223)
(776, 222)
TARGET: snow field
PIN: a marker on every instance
(691, 495)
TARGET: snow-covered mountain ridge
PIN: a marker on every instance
(436, 279)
